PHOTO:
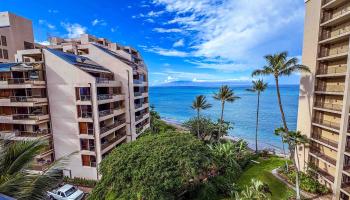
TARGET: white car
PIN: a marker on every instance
(66, 192)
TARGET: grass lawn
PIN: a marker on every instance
(262, 171)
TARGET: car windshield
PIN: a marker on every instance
(70, 191)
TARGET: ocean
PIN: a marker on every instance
(173, 104)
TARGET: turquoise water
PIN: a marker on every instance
(173, 104)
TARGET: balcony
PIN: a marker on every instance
(326, 175)
(86, 115)
(38, 133)
(104, 113)
(106, 82)
(324, 140)
(322, 156)
(85, 98)
(87, 147)
(326, 123)
(137, 94)
(138, 105)
(111, 142)
(330, 89)
(329, 4)
(331, 71)
(138, 82)
(104, 96)
(337, 16)
(22, 83)
(328, 106)
(112, 126)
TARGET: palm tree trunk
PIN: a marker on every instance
(221, 117)
(297, 185)
(257, 124)
(284, 153)
(198, 135)
(280, 105)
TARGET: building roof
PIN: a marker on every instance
(82, 62)
(6, 67)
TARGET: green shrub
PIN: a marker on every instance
(80, 182)
(308, 182)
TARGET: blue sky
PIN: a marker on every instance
(192, 40)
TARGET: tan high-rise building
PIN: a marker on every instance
(16, 33)
(324, 102)
(84, 95)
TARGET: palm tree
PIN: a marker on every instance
(224, 95)
(15, 181)
(294, 139)
(279, 65)
(198, 104)
(258, 86)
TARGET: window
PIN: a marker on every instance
(28, 45)
(5, 54)
(3, 41)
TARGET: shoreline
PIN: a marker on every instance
(180, 127)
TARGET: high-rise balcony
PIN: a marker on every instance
(104, 96)
(318, 153)
(110, 142)
(324, 140)
(112, 126)
(104, 113)
(326, 123)
(336, 89)
(328, 106)
(336, 16)
(86, 115)
(331, 71)
(329, 4)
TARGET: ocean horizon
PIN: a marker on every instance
(174, 105)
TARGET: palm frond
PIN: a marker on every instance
(295, 68)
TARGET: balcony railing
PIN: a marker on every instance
(24, 98)
(86, 115)
(321, 155)
(325, 175)
(336, 52)
(325, 140)
(102, 80)
(27, 116)
(137, 94)
(85, 98)
(329, 35)
(137, 81)
(334, 125)
(104, 96)
(103, 113)
(138, 105)
(329, 16)
(88, 147)
(331, 70)
(326, 1)
(31, 133)
(21, 81)
(109, 142)
(112, 126)
(330, 88)
(331, 106)
(138, 118)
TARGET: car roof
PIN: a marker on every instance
(65, 188)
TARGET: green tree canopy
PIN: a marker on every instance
(161, 166)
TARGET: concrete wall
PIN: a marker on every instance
(17, 30)
(123, 73)
(310, 51)
(62, 79)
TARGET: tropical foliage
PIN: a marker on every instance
(157, 125)
(208, 130)
(200, 103)
(257, 190)
(279, 65)
(225, 94)
(15, 180)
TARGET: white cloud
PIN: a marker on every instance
(233, 29)
(155, 14)
(45, 23)
(113, 30)
(179, 43)
(169, 30)
(52, 11)
(150, 20)
(74, 30)
(166, 52)
(43, 42)
(98, 22)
